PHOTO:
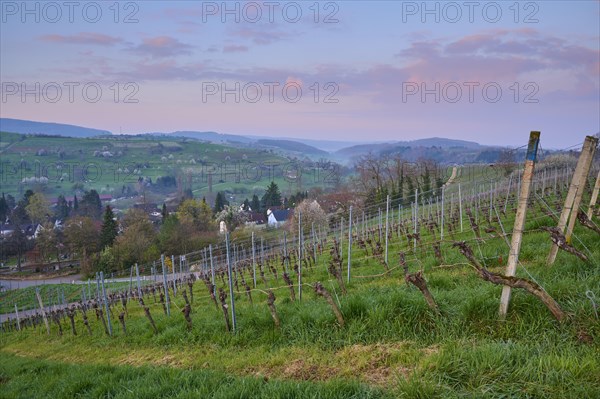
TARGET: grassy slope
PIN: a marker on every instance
(105, 175)
(392, 344)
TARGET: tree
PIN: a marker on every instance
(3, 209)
(197, 213)
(311, 213)
(109, 230)
(272, 196)
(164, 212)
(175, 237)
(75, 204)
(255, 204)
(38, 208)
(138, 242)
(220, 202)
(82, 238)
(91, 205)
(47, 241)
(232, 216)
(426, 188)
(62, 208)
(506, 161)
(18, 243)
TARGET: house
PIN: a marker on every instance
(277, 217)
(256, 218)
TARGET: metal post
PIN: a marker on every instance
(253, 260)
(106, 304)
(299, 255)
(350, 242)
(387, 227)
(137, 275)
(166, 285)
(229, 271)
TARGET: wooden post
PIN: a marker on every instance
(286, 261)
(515, 245)
(575, 193)
(350, 242)
(594, 199)
(229, 271)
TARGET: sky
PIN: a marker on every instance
(489, 72)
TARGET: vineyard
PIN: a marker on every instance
(489, 289)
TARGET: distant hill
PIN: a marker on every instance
(212, 137)
(48, 128)
(293, 146)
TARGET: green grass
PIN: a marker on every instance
(392, 345)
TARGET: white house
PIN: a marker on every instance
(276, 218)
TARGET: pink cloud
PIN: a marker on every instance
(87, 38)
(235, 49)
(162, 46)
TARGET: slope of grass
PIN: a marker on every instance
(392, 343)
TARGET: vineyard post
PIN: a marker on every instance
(286, 261)
(399, 216)
(166, 285)
(130, 278)
(508, 192)
(350, 242)
(39, 298)
(581, 189)
(212, 270)
(299, 255)
(364, 226)
(460, 208)
(515, 245)
(229, 272)
(97, 288)
(137, 275)
(106, 304)
(571, 206)
(342, 238)
(253, 261)
(416, 215)
(379, 223)
(442, 216)
(555, 179)
(154, 271)
(18, 320)
(174, 275)
(491, 200)
(387, 228)
(89, 289)
(594, 198)
(180, 265)
(314, 241)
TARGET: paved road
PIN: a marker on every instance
(15, 284)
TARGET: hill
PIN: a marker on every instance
(48, 128)
(293, 146)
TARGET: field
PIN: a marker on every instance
(392, 344)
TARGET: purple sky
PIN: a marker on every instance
(377, 70)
